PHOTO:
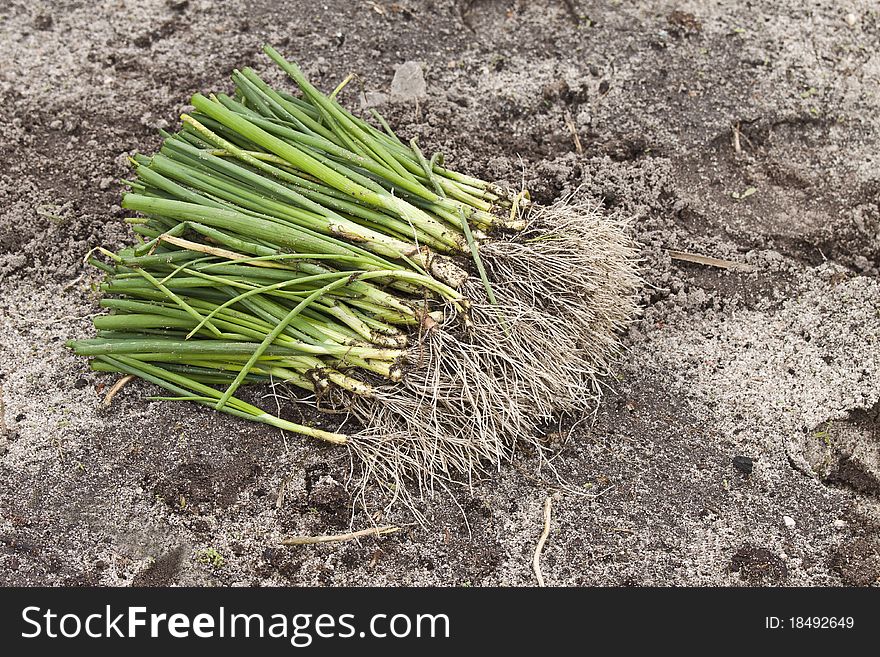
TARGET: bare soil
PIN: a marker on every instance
(680, 107)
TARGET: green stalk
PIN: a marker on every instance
(421, 221)
(273, 335)
(181, 385)
(309, 164)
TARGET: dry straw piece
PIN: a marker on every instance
(284, 239)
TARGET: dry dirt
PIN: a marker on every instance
(681, 107)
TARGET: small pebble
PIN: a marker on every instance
(851, 19)
(105, 183)
(408, 82)
(744, 464)
(789, 522)
(43, 22)
(839, 524)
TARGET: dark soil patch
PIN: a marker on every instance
(858, 562)
(757, 565)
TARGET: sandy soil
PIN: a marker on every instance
(681, 107)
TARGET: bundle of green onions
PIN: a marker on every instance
(285, 239)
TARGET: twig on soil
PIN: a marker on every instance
(708, 260)
(2, 416)
(536, 562)
(279, 501)
(119, 385)
(572, 128)
(334, 538)
(738, 137)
